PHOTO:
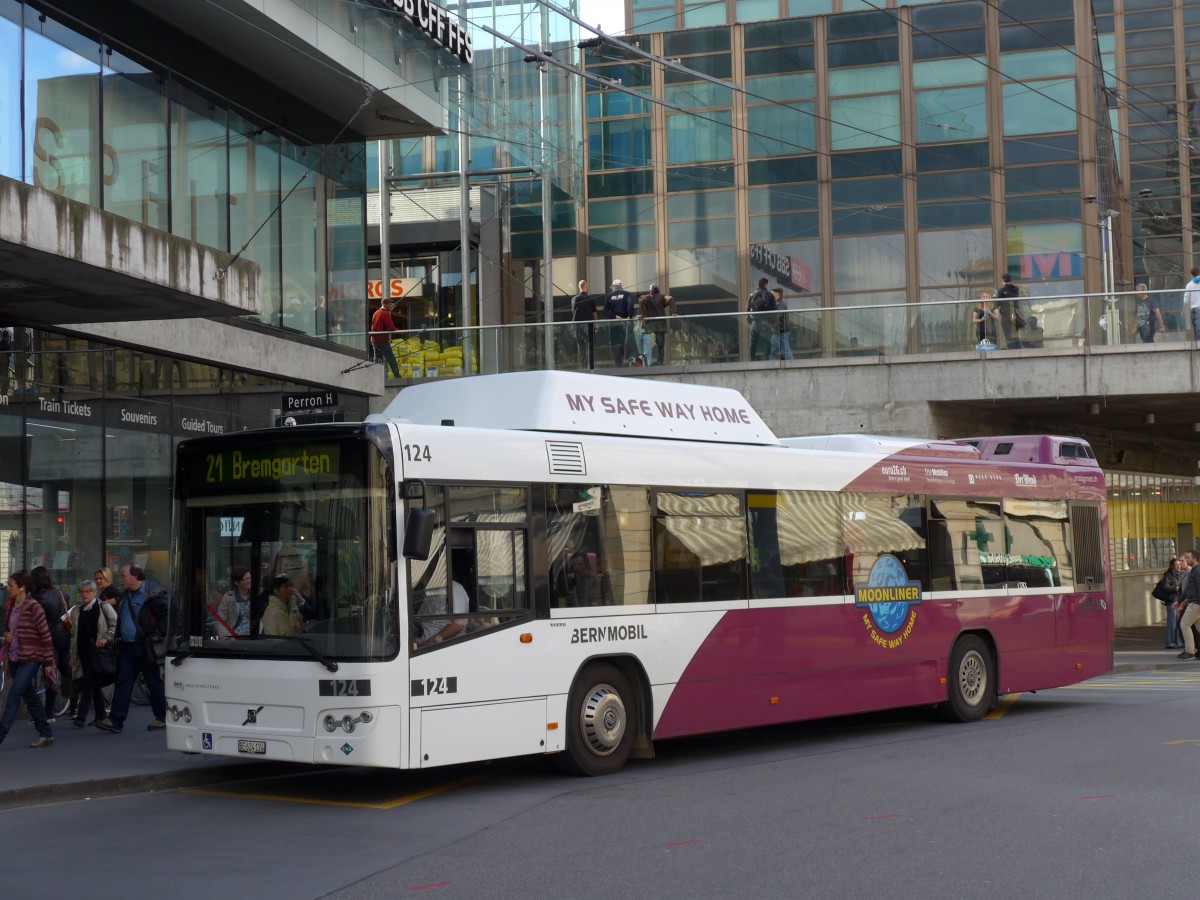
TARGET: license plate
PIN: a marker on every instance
(252, 747)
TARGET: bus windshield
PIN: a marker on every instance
(288, 548)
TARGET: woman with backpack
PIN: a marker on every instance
(57, 611)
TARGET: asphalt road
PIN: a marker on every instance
(1078, 792)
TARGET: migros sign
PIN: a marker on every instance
(439, 25)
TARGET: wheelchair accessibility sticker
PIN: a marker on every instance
(206, 740)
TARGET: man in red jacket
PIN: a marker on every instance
(381, 340)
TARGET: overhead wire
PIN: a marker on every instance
(548, 58)
(677, 66)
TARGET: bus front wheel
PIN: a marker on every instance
(972, 681)
(600, 728)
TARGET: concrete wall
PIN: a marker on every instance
(227, 344)
(962, 394)
(1132, 603)
(65, 261)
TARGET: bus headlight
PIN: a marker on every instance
(347, 722)
(178, 713)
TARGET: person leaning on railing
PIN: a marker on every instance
(382, 326)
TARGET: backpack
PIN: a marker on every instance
(54, 607)
(152, 617)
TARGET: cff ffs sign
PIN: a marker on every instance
(437, 23)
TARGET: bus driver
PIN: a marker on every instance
(435, 631)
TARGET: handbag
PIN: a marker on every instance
(1018, 319)
(1160, 592)
(104, 661)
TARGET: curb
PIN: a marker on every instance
(1144, 667)
(123, 785)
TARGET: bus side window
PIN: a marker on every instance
(701, 552)
(877, 525)
(808, 531)
(1039, 550)
(966, 543)
(598, 537)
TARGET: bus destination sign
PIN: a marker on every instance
(270, 466)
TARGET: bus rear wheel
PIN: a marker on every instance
(972, 681)
(600, 728)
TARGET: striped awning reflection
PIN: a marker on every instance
(710, 526)
(819, 525)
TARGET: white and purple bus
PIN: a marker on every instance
(556, 563)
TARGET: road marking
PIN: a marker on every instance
(881, 818)
(1177, 743)
(1100, 797)
(680, 844)
(1003, 706)
(430, 887)
(312, 801)
(1165, 682)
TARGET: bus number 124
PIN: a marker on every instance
(417, 453)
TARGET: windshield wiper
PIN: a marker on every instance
(324, 660)
(182, 655)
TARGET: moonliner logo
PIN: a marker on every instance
(889, 599)
(1025, 480)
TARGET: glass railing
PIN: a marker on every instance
(1076, 322)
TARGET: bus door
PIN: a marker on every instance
(1084, 616)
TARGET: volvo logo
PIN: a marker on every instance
(252, 716)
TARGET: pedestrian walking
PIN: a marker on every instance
(95, 623)
(761, 301)
(1191, 302)
(781, 342)
(1148, 315)
(141, 601)
(1166, 591)
(1189, 606)
(1012, 320)
(619, 308)
(27, 648)
(583, 313)
(382, 326)
(56, 608)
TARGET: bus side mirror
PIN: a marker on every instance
(418, 532)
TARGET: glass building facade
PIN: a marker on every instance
(858, 154)
(87, 439)
(127, 133)
(521, 112)
(106, 106)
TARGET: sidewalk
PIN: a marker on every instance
(1141, 649)
(87, 762)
